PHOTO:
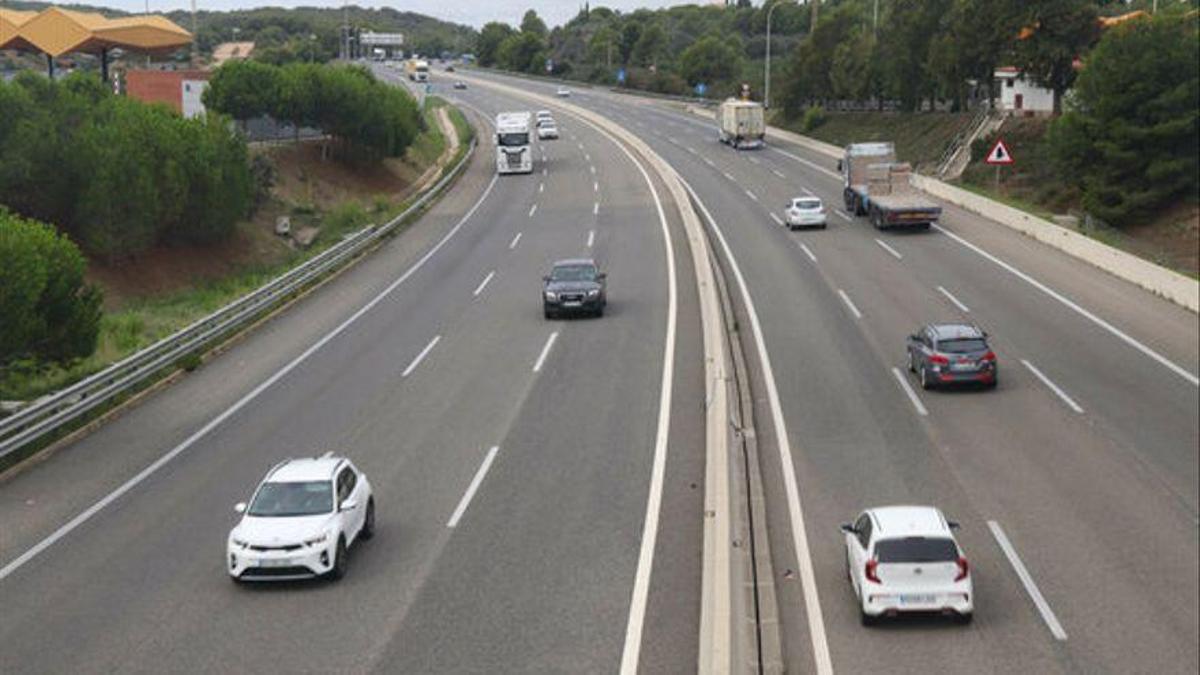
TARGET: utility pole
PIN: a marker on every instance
(812, 25)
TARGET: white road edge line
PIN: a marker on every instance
(807, 251)
(421, 357)
(475, 482)
(591, 238)
(1053, 387)
(532, 210)
(541, 359)
(203, 431)
(808, 579)
(483, 284)
(513, 244)
(849, 303)
(1031, 588)
(957, 303)
(1132, 342)
(889, 249)
(912, 394)
(777, 219)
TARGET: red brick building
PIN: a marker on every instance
(180, 89)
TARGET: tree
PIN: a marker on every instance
(852, 74)
(809, 67)
(971, 38)
(709, 60)
(906, 47)
(522, 52)
(49, 312)
(1132, 141)
(491, 37)
(602, 45)
(651, 46)
(242, 89)
(1055, 33)
(532, 23)
(631, 32)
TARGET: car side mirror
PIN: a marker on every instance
(239, 507)
(545, 277)
(602, 276)
(848, 528)
(349, 505)
(953, 524)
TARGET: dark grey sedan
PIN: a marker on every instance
(952, 353)
(574, 286)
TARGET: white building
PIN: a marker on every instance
(1020, 96)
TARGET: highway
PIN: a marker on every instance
(1076, 481)
(511, 458)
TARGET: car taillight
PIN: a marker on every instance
(939, 359)
(963, 569)
(990, 356)
(871, 571)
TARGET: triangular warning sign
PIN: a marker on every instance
(999, 154)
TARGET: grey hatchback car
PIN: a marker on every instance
(574, 285)
(952, 353)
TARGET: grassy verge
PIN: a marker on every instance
(140, 323)
(920, 138)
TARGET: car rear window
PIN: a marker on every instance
(808, 203)
(916, 550)
(962, 346)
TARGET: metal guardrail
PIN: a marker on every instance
(56, 411)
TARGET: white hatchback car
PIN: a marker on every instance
(805, 212)
(303, 517)
(547, 130)
(905, 559)
(542, 115)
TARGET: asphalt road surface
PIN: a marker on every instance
(1081, 468)
(416, 363)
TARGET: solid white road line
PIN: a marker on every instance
(751, 195)
(513, 244)
(532, 210)
(591, 238)
(215, 422)
(483, 284)
(889, 249)
(1113, 330)
(957, 303)
(541, 359)
(777, 219)
(808, 579)
(466, 498)
(595, 208)
(850, 304)
(912, 394)
(1031, 588)
(807, 252)
(421, 357)
(843, 214)
(779, 173)
(1053, 387)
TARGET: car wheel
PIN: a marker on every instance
(868, 620)
(547, 313)
(368, 528)
(925, 381)
(339, 561)
(912, 362)
(600, 311)
(964, 619)
(994, 383)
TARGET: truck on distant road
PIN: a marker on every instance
(877, 186)
(740, 123)
(417, 70)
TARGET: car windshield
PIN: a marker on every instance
(574, 273)
(916, 550)
(278, 500)
(962, 346)
(513, 140)
(808, 203)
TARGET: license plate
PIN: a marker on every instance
(571, 303)
(963, 365)
(917, 599)
(274, 562)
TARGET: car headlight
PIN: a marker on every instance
(239, 542)
(319, 539)
(594, 292)
(551, 296)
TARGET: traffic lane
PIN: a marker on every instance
(856, 444)
(32, 501)
(319, 419)
(540, 572)
(307, 436)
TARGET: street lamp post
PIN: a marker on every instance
(767, 75)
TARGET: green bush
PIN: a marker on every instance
(48, 311)
(814, 116)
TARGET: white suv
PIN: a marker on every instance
(905, 559)
(300, 521)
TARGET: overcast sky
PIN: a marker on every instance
(471, 12)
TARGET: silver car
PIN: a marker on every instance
(952, 353)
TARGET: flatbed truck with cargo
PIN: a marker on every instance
(877, 186)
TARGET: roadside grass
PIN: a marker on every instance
(141, 322)
(920, 138)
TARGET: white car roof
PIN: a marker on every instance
(543, 113)
(909, 521)
(305, 469)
